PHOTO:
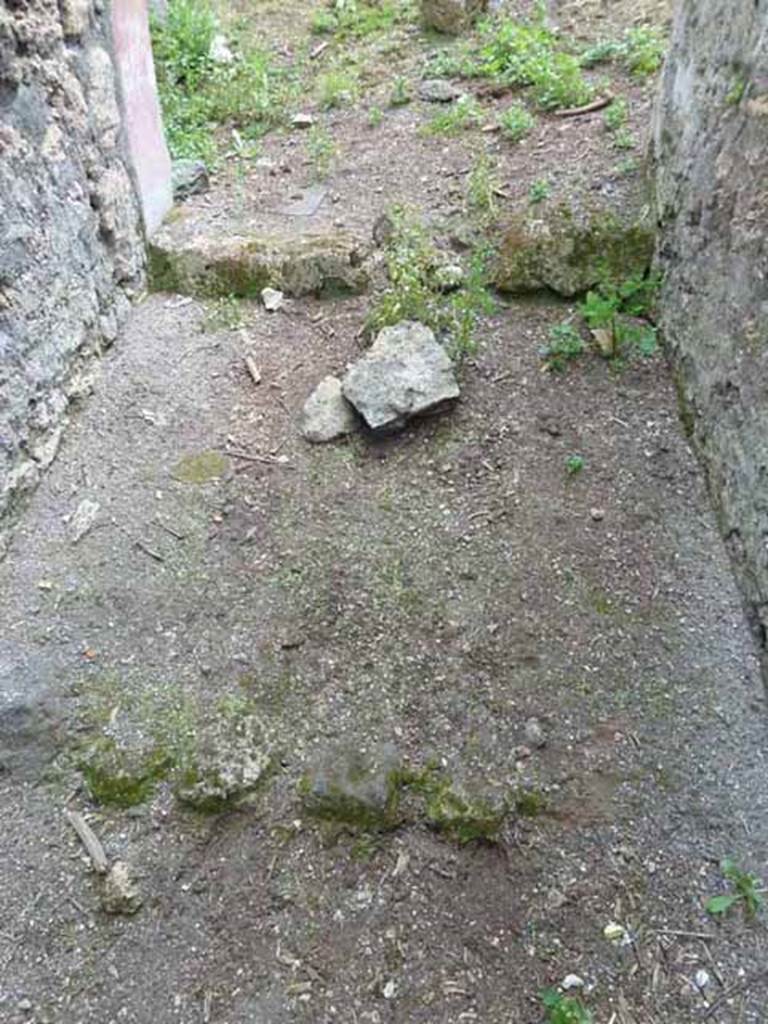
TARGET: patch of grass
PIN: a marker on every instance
(347, 18)
(746, 891)
(482, 186)
(616, 115)
(539, 191)
(414, 291)
(643, 50)
(465, 113)
(562, 1009)
(455, 60)
(624, 139)
(565, 344)
(375, 117)
(640, 51)
(574, 464)
(516, 122)
(401, 93)
(528, 54)
(225, 314)
(322, 151)
(337, 88)
(197, 94)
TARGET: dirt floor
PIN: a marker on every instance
(434, 591)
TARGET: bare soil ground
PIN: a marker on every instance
(434, 590)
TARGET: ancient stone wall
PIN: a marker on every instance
(71, 245)
(711, 151)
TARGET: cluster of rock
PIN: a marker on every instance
(405, 373)
(452, 17)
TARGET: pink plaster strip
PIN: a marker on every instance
(143, 122)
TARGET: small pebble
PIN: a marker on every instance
(597, 514)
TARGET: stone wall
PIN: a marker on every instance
(711, 150)
(71, 245)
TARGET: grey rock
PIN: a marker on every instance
(354, 787)
(327, 414)
(120, 892)
(302, 121)
(711, 151)
(272, 299)
(32, 729)
(438, 90)
(569, 246)
(188, 178)
(83, 520)
(534, 733)
(405, 373)
(220, 52)
(451, 17)
(231, 759)
(308, 264)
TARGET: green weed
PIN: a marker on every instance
(528, 54)
(225, 314)
(563, 1009)
(322, 150)
(746, 890)
(482, 186)
(375, 117)
(401, 93)
(616, 115)
(608, 309)
(465, 113)
(539, 191)
(337, 88)
(516, 122)
(574, 464)
(641, 51)
(414, 292)
(565, 344)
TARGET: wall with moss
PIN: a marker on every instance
(711, 152)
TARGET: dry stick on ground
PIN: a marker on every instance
(268, 460)
(588, 108)
(90, 841)
(252, 369)
(148, 550)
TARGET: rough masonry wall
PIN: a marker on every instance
(711, 148)
(71, 246)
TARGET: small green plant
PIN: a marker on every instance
(562, 1009)
(465, 113)
(746, 890)
(516, 122)
(375, 117)
(574, 464)
(337, 88)
(482, 186)
(738, 87)
(624, 139)
(225, 314)
(607, 308)
(643, 50)
(600, 53)
(415, 293)
(322, 151)
(455, 60)
(629, 165)
(616, 115)
(323, 23)
(539, 191)
(565, 344)
(401, 93)
(528, 54)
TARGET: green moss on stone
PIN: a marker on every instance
(120, 776)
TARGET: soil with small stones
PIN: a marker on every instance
(434, 590)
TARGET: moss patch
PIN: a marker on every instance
(201, 467)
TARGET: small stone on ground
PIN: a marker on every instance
(327, 414)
